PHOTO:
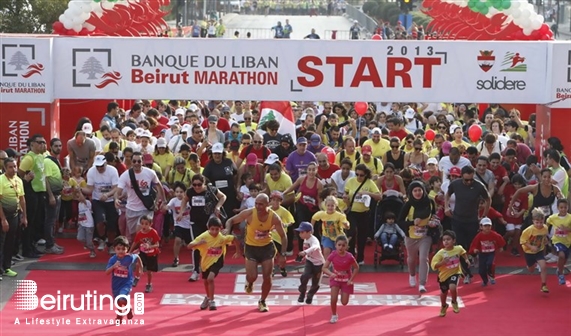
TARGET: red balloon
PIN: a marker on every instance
(429, 135)
(58, 27)
(377, 37)
(331, 156)
(544, 28)
(361, 108)
(475, 132)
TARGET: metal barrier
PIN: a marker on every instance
(365, 21)
(267, 33)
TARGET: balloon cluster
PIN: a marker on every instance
(112, 18)
(486, 20)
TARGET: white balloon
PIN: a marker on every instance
(68, 24)
(85, 16)
(95, 5)
(89, 26)
(77, 28)
(526, 23)
(61, 18)
(526, 13)
(516, 14)
(541, 18)
(515, 5)
(527, 31)
(107, 5)
(536, 24)
(78, 20)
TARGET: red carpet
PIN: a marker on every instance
(74, 252)
(513, 306)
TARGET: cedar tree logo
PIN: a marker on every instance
(93, 65)
(486, 60)
(18, 60)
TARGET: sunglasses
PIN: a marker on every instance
(417, 149)
(431, 125)
(137, 161)
(409, 142)
(247, 118)
(197, 184)
(360, 175)
(394, 146)
(235, 132)
(442, 127)
(274, 129)
(40, 142)
(468, 180)
(257, 142)
(198, 132)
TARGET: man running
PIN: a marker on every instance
(259, 247)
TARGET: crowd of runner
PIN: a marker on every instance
(162, 169)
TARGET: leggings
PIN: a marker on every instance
(195, 231)
(358, 230)
(465, 231)
(421, 248)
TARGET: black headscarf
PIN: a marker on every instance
(422, 207)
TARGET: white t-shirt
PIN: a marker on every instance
(444, 188)
(312, 248)
(444, 165)
(140, 118)
(175, 142)
(104, 142)
(339, 182)
(102, 183)
(498, 148)
(238, 117)
(246, 192)
(98, 147)
(174, 206)
(147, 178)
(84, 216)
(559, 175)
(250, 203)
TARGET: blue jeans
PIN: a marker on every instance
(52, 213)
(390, 239)
(486, 265)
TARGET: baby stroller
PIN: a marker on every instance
(393, 204)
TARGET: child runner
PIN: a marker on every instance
(182, 227)
(120, 266)
(388, 232)
(276, 198)
(253, 191)
(345, 268)
(485, 245)
(333, 223)
(514, 215)
(147, 240)
(67, 195)
(85, 223)
(533, 241)
(212, 247)
(313, 262)
(447, 263)
(561, 240)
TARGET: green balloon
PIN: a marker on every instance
(472, 4)
(97, 1)
(494, 3)
(506, 4)
(481, 6)
(484, 10)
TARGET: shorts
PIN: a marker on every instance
(85, 234)
(532, 258)
(105, 212)
(327, 243)
(562, 248)
(511, 227)
(278, 246)
(133, 218)
(215, 268)
(151, 263)
(344, 286)
(445, 285)
(183, 234)
(125, 290)
(260, 254)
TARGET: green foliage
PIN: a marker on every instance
(30, 16)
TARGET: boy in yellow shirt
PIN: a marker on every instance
(561, 239)
(447, 263)
(533, 241)
(276, 199)
(212, 247)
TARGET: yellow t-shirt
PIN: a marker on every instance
(214, 249)
(67, 191)
(535, 237)
(561, 229)
(453, 265)
(287, 220)
(417, 231)
(463, 143)
(259, 233)
(375, 169)
(380, 148)
(351, 185)
(281, 184)
(122, 144)
(351, 157)
(333, 225)
(186, 177)
(10, 192)
(164, 161)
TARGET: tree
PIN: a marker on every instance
(30, 16)
(92, 67)
(19, 59)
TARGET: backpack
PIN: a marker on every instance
(357, 156)
(375, 162)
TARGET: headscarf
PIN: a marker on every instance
(422, 207)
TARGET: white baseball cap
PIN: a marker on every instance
(218, 148)
(193, 107)
(486, 221)
(432, 161)
(146, 134)
(139, 131)
(453, 128)
(126, 130)
(179, 111)
(173, 121)
(87, 128)
(99, 161)
(271, 159)
(186, 128)
(409, 114)
(161, 143)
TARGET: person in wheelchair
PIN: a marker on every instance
(388, 234)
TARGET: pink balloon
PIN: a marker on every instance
(361, 108)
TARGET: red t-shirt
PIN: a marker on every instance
(521, 203)
(157, 130)
(487, 243)
(151, 238)
(499, 173)
(401, 134)
(163, 120)
(194, 148)
(492, 213)
(259, 153)
(325, 174)
(222, 125)
(121, 168)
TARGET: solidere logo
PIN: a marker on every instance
(512, 62)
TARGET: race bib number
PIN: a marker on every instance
(546, 210)
(420, 231)
(144, 187)
(453, 262)
(105, 189)
(302, 172)
(488, 246)
(262, 234)
(359, 199)
(342, 276)
(560, 232)
(67, 191)
(309, 200)
(82, 218)
(221, 184)
(214, 251)
(121, 272)
(198, 201)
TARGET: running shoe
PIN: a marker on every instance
(148, 288)
(412, 280)
(484, 284)
(18, 257)
(249, 288)
(467, 280)
(92, 254)
(118, 320)
(101, 246)
(334, 319)
(544, 289)
(205, 303)
(552, 260)
(301, 298)
(212, 305)
(283, 272)
(492, 280)
(193, 276)
(135, 281)
(515, 252)
(309, 299)
(263, 307)
(41, 242)
(10, 273)
(561, 278)
(175, 262)
(443, 310)
(422, 289)
(455, 307)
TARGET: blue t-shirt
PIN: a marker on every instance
(123, 276)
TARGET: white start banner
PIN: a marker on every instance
(27, 72)
(424, 71)
(559, 93)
